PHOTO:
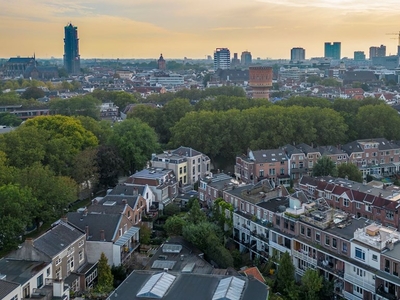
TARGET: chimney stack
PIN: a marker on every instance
(87, 231)
(124, 201)
(102, 235)
(64, 219)
(29, 241)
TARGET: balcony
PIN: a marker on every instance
(278, 247)
(382, 295)
(360, 282)
(329, 267)
(305, 257)
(127, 251)
(350, 296)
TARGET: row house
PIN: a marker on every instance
(378, 157)
(64, 248)
(162, 182)
(360, 256)
(212, 187)
(359, 199)
(259, 165)
(189, 165)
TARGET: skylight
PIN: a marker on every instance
(156, 286)
(230, 288)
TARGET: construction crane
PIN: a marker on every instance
(398, 37)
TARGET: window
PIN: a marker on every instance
(334, 243)
(317, 237)
(360, 254)
(40, 281)
(278, 220)
(327, 240)
(374, 257)
(26, 292)
(129, 214)
(344, 247)
(48, 272)
(58, 273)
(180, 170)
(346, 202)
(81, 243)
(302, 229)
(358, 205)
(271, 172)
(282, 171)
(309, 232)
(58, 261)
(389, 215)
(261, 173)
(70, 264)
(357, 290)
(368, 208)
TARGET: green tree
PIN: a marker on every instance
(171, 209)
(198, 234)
(85, 170)
(146, 114)
(109, 164)
(8, 119)
(222, 213)
(285, 275)
(174, 225)
(324, 167)
(313, 79)
(312, 284)
(351, 171)
(135, 141)
(105, 278)
(33, 93)
(16, 207)
(77, 106)
(101, 129)
(216, 252)
(144, 235)
(195, 214)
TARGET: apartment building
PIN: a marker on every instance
(188, 164)
(212, 187)
(331, 225)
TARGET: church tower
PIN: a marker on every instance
(161, 63)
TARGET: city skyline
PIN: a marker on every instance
(144, 28)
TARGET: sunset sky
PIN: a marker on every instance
(178, 28)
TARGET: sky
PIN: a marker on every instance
(178, 28)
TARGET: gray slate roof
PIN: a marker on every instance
(96, 223)
(188, 286)
(6, 287)
(20, 271)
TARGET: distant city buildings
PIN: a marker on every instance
(161, 63)
(359, 55)
(222, 59)
(297, 54)
(235, 60)
(332, 50)
(377, 51)
(72, 60)
(246, 58)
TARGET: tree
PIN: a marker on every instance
(101, 129)
(313, 79)
(8, 119)
(105, 278)
(312, 284)
(222, 212)
(77, 106)
(324, 167)
(16, 207)
(195, 214)
(351, 171)
(144, 235)
(218, 253)
(135, 142)
(110, 164)
(174, 225)
(171, 209)
(33, 93)
(85, 169)
(198, 234)
(286, 270)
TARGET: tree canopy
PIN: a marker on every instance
(324, 167)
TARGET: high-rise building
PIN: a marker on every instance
(359, 55)
(235, 60)
(246, 58)
(332, 50)
(72, 59)
(297, 54)
(377, 51)
(222, 59)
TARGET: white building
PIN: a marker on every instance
(166, 79)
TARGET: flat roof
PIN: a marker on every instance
(347, 231)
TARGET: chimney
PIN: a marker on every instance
(135, 191)
(85, 212)
(87, 231)
(29, 241)
(64, 219)
(102, 235)
(124, 201)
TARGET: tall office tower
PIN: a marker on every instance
(161, 63)
(246, 58)
(332, 50)
(297, 54)
(359, 55)
(235, 60)
(377, 51)
(72, 59)
(260, 81)
(222, 59)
